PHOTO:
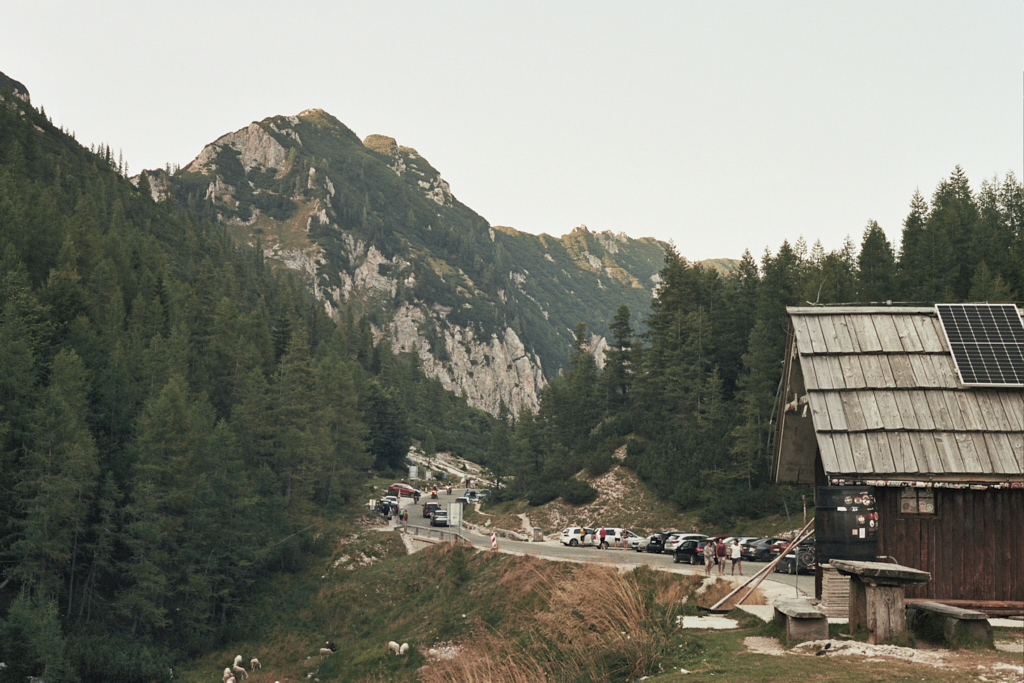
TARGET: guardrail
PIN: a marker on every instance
(447, 536)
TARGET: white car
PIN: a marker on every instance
(617, 537)
(573, 537)
(632, 541)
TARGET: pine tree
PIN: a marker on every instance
(56, 484)
(876, 265)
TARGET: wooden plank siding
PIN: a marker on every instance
(971, 545)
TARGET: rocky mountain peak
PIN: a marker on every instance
(16, 87)
(375, 230)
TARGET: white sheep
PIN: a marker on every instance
(227, 675)
(254, 664)
(393, 647)
(404, 649)
(237, 668)
(326, 652)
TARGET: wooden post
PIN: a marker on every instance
(886, 615)
(858, 606)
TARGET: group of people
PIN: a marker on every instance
(717, 552)
(603, 535)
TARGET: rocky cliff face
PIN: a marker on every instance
(374, 227)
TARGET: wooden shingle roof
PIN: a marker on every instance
(876, 391)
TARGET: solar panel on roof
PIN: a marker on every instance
(987, 342)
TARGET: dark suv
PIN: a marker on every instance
(656, 542)
(430, 507)
(691, 551)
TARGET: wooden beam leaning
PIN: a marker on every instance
(801, 536)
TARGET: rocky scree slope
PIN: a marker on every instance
(379, 235)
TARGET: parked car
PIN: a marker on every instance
(572, 537)
(656, 541)
(430, 507)
(483, 494)
(690, 551)
(675, 540)
(400, 490)
(629, 539)
(471, 495)
(617, 535)
(802, 561)
(641, 544)
(758, 550)
(439, 518)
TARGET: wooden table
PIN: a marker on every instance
(877, 596)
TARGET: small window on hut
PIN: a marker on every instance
(917, 501)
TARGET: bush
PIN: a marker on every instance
(598, 463)
(576, 492)
(543, 492)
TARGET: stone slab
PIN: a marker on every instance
(882, 573)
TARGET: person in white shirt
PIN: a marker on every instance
(737, 556)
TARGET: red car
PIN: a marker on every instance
(402, 490)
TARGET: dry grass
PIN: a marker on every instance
(720, 588)
(591, 623)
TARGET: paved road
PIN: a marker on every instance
(556, 551)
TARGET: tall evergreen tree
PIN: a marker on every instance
(876, 265)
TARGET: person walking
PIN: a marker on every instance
(720, 556)
(737, 557)
(709, 557)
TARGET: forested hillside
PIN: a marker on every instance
(174, 415)
(694, 395)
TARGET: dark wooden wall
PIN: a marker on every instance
(973, 546)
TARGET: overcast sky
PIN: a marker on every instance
(718, 125)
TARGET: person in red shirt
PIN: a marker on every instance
(720, 554)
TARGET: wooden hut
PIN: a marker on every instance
(872, 397)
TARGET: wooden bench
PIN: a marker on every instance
(803, 621)
(956, 623)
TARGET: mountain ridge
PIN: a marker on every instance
(379, 235)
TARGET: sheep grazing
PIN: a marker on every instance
(326, 652)
(393, 647)
(254, 664)
(404, 650)
(227, 675)
(237, 668)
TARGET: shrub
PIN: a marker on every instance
(576, 492)
(543, 492)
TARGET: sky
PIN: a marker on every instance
(721, 126)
